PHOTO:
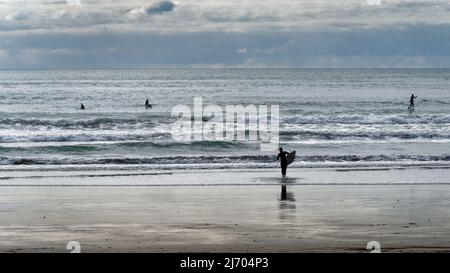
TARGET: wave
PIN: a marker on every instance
(73, 147)
(442, 102)
(368, 103)
(93, 123)
(165, 139)
(207, 160)
(83, 136)
(369, 119)
(146, 121)
(363, 135)
(194, 144)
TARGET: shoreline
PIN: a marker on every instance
(221, 177)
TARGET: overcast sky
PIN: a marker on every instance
(224, 33)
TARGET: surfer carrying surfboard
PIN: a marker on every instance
(283, 157)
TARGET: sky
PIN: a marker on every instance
(224, 33)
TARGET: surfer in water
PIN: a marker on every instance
(147, 104)
(283, 160)
(82, 107)
(411, 102)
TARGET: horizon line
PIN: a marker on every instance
(228, 68)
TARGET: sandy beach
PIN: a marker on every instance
(314, 210)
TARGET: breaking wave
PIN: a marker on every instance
(248, 161)
(369, 119)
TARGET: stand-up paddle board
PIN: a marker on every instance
(290, 157)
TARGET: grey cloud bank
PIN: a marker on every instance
(159, 7)
(143, 34)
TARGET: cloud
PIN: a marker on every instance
(409, 46)
(225, 15)
(3, 54)
(152, 9)
(18, 16)
(224, 33)
(241, 51)
(160, 7)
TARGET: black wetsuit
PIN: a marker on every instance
(411, 102)
(283, 161)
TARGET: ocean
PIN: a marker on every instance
(338, 117)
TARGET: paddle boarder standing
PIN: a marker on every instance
(283, 160)
(411, 102)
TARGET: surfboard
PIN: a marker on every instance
(290, 157)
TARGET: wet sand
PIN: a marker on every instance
(255, 212)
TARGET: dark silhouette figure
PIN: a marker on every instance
(82, 107)
(282, 157)
(147, 104)
(411, 101)
(286, 195)
(283, 196)
(287, 204)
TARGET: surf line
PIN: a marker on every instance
(250, 123)
(82, 175)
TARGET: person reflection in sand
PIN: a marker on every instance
(287, 203)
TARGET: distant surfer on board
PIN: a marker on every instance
(411, 102)
(147, 104)
(285, 159)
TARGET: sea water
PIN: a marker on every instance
(339, 117)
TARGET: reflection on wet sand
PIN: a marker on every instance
(287, 203)
(270, 180)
